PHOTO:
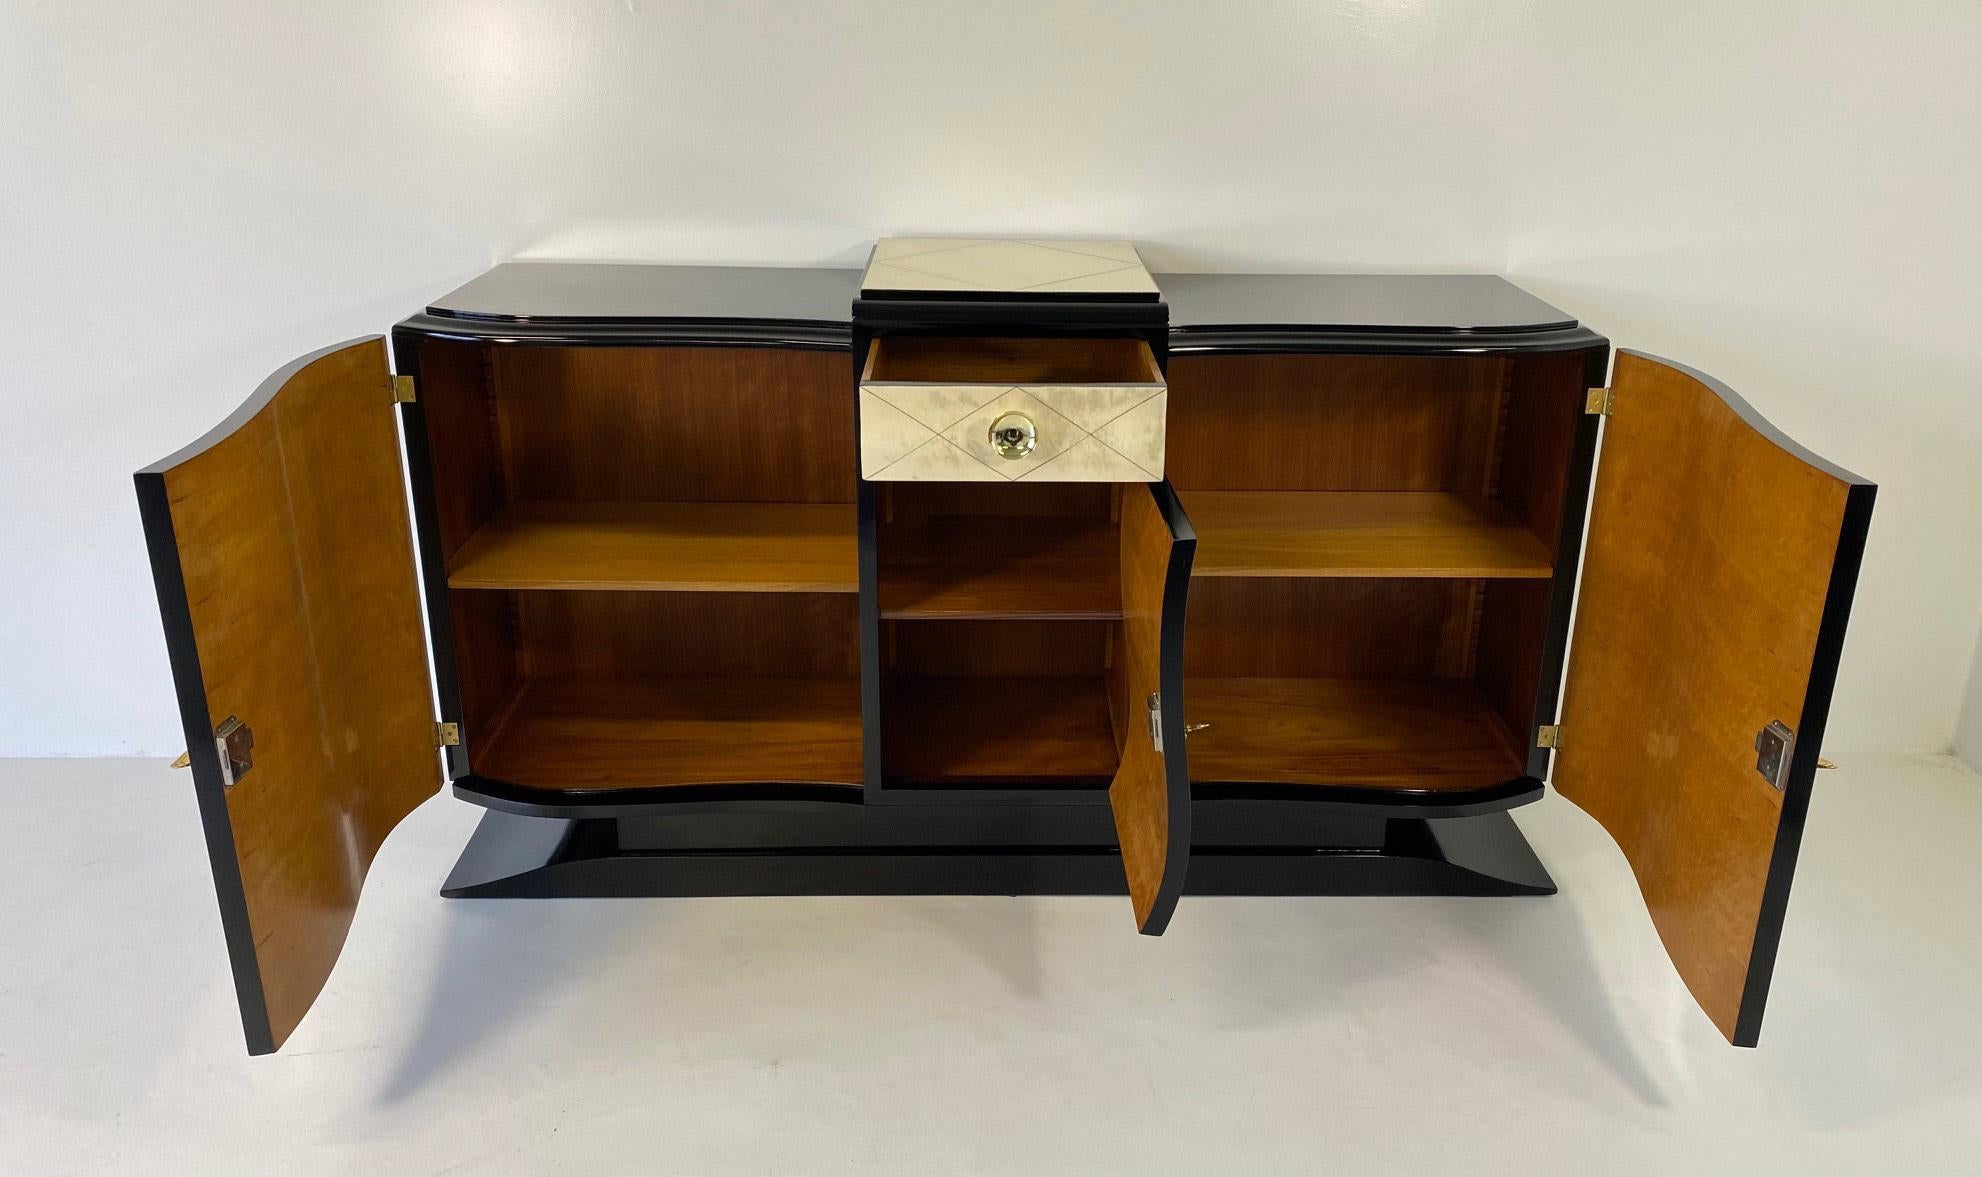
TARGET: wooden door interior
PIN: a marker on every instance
(651, 576)
(1376, 577)
(282, 554)
(1717, 582)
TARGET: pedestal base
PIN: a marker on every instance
(1255, 848)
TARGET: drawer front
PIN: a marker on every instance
(986, 409)
(1016, 433)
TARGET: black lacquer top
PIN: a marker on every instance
(1357, 302)
(1449, 312)
(570, 292)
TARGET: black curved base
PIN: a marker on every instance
(1250, 849)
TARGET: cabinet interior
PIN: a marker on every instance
(1001, 610)
(653, 580)
(1370, 599)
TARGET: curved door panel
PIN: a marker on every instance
(1151, 792)
(1718, 576)
(282, 554)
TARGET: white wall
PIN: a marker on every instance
(1968, 730)
(192, 194)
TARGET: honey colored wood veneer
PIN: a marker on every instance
(991, 729)
(659, 424)
(1359, 533)
(586, 734)
(289, 530)
(1697, 625)
(961, 566)
(711, 547)
(1149, 795)
(1330, 627)
(1326, 422)
(1378, 734)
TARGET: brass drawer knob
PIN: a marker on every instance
(1013, 435)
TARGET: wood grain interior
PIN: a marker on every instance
(675, 424)
(1384, 734)
(1708, 569)
(1328, 422)
(680, 547)
(954, 359)
(1330, 628)
(639, 635)
(999, 566)
(1034, 730)
(291, 534)
(626, 527)
(1376, 546)
(635, 733)
(1004, 598)
(1011, 649)
(1359, 534)
(687, 689)
(901, 501)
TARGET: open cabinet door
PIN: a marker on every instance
(1717, 580)
(283, 559)
(1151, 792)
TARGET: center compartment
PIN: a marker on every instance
(1001, 616)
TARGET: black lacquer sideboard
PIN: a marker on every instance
(998, 568)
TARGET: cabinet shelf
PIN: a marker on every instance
(1359, 534)
(1374, 733)
(986, 730)
(683, 547)
(991, 567)
(584, 734)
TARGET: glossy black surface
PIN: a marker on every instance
(545, 294)
(1430, 303)
(888, 850)
(587, 291)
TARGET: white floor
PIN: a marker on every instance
(927, 1036)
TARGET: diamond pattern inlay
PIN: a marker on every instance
(1054, 433)
(942, 433)
(935, 263)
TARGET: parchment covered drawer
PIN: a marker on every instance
(977, 409)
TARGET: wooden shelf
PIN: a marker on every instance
(998, 730)
(653, 733)
(1359, 533)
(682, 547)
(988, 566)
(1375, 733)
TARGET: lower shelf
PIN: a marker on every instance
(1373, 733)
(991, 730)
(619, 734)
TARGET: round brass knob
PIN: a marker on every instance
(1014, 435)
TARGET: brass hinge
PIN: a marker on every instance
(1597, 403)
(402, 390)
(447, 735)
(1549, 735)
(1156, 720)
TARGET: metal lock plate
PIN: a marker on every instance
(1773, 746)
(1013, 435)
(235, 743)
